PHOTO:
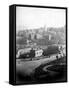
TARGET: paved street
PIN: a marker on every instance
(28, 67)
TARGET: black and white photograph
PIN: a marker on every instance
(40, 45)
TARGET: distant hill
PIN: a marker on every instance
(50, 36)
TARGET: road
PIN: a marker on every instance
(28, 67)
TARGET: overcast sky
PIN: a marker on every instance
(27, 17)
